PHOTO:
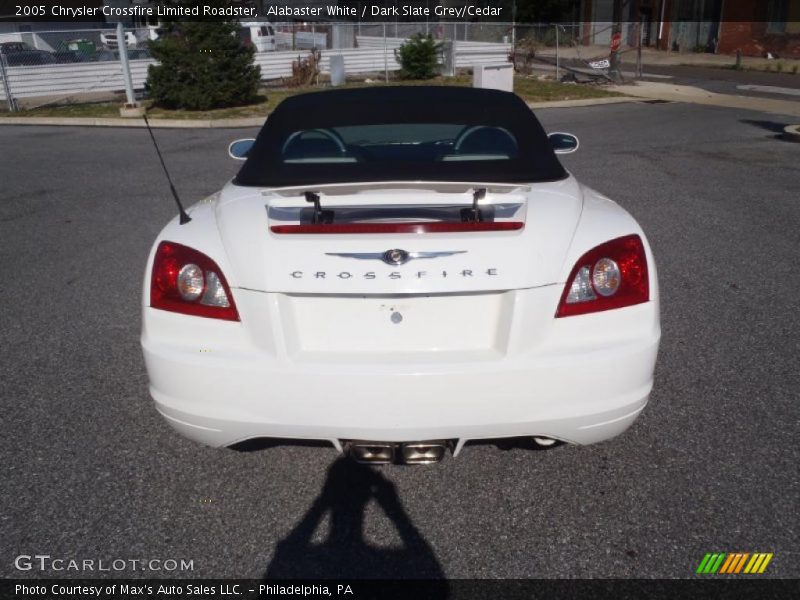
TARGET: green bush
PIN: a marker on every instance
(203, 66)
(418, 57)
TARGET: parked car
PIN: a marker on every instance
(110, 41)
(398, 279)
(258, 34)
(20, 54)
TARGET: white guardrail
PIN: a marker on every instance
(75, 78)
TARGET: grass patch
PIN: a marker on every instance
(529, 88)
(537, 90)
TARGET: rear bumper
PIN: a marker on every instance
(585, 429)
(579, 379)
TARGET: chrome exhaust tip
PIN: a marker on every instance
(371, 453)
(423, 453)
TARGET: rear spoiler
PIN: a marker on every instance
(393, 219)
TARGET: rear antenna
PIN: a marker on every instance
(184, 218)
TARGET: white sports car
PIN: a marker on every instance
(399, 271)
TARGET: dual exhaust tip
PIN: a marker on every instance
(409, 453)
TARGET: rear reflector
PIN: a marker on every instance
(431, 227)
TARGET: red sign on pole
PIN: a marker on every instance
(615, 41)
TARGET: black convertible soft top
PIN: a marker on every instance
(534, 160)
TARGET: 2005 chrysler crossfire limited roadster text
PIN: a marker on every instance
(399, 271)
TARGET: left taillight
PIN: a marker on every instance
(611, 275)
(189, 282)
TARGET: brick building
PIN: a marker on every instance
(722, 26)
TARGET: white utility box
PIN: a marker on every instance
(495, 77)
(337, 69)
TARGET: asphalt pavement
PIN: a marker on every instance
(784, 85)
(91, 471)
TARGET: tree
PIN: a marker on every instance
(418, 57)
(203, 65)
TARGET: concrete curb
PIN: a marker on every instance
(583, 102)
(792, 133)
(154, 123)
(244, 122)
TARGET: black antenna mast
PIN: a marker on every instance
(184, 218)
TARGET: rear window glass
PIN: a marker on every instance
(399, 142)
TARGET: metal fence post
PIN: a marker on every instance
(557, 65)
(639, 49)
(455, 44)
(122, 45)
(12, 105)
(385, 57)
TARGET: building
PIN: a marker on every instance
(754, 27)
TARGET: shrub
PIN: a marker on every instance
(418, 57)
(203, 66)
(305, 71)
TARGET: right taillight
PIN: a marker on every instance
(611, 275)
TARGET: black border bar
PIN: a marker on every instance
(707, 588)
(521, 12)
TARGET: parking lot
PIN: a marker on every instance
(91, 471)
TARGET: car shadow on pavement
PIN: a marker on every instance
(344, 553)
(771, 126)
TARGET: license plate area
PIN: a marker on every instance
(379, 326)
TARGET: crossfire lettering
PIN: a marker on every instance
(393, 275)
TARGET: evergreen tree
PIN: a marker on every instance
(418, 57)
(203, 65)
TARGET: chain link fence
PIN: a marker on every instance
(68, 66)
(84, 65)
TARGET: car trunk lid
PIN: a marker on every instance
(399, 238)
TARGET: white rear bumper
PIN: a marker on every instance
(579, 379)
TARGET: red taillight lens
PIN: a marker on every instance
(611, 275)
(189, 282)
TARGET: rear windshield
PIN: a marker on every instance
(401, 134)
(399, 142)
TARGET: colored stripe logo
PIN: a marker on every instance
(734, 563)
